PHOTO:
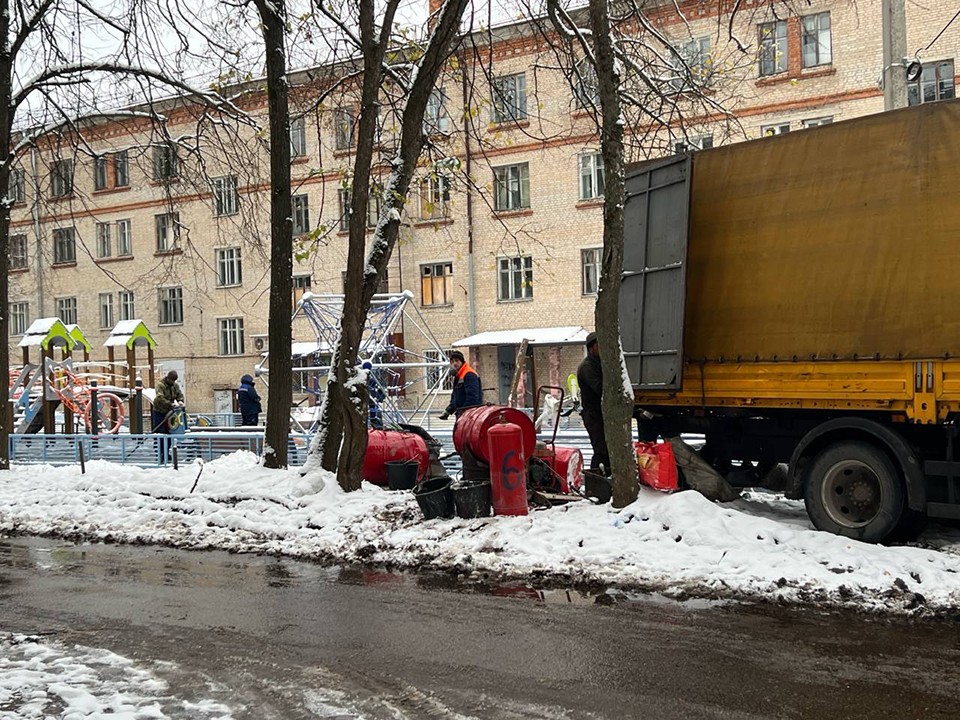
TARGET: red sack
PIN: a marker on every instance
(658, 466)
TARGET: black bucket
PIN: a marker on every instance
(435, 498)
(471, 499)
(402, 475)
(597, 486)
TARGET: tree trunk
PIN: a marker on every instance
(280, 397)
(617, 400)
(6, 129)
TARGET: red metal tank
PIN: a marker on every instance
(568, 464)
(385, 446)
(508, 468)
(472, 427)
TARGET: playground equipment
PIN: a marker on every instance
(133, 334)
(394, 368)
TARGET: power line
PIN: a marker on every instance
(939, 34)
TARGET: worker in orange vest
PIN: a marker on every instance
(466, 386)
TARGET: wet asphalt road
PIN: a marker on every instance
(276, 638)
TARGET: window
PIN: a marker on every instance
(301, 285)
(697, 142)
(106, 310)
(773, 47)
(691, 63)
(67, 310)
(100, 172)
(19, 317)
(590, 263)
(511, 185)
(586, 88)
(436, 284)
(510, 98)
(515, 278)
(231, 336)
(343, 128)
(776, 129)
(168, 232)
(225, 198)
(435, 118)
(383, 286)
(298, 137)
(124, 238)
(64, 246)
(437, 378)
(165, 164)
(301, 214)
(16, 188)
(591, 176)
(434, 197)
(817, 122)
(373, 207)
(61, 178)
(125, 298)
(18, 252)
(229, 270)
(121, 169)
(935, 83)
(171, 306)
(815, 40)
(104, 246)
(344, 195)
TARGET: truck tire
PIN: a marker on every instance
(854, 489)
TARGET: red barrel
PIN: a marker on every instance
(508, 469)
(472, 427)
(568, 464)
(385, 446)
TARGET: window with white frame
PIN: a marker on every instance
(229, 269)
(373, 207)
(231, 336)
(121, 169)
(171, 306)
(64, 246)
(936, 82)
(343, 122)
(435, 118)
(590, 260)
(511, 187)
(226, 201)
(437, 379)
(515, 278)
(591, 175)
(127, 308)
(773, 47)
(18, 252)
(691, 63)
(510, 98)
(106, 310)
(104, 244)
(100, 172)
(165, 162)
(19, 317)
(298, 137)
(124, 239)
(815, 43)
(61, 178)
(817, 122)
(586, 87)
(434, 196)
(16, 191)
(167, 226)
(301, 285)
(436, 284)
(694, 142)
(301, 214)
(383, 286)
(775, 129)
(67, 310)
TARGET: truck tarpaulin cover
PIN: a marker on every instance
(836, 242)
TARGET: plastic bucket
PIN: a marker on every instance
(434, 498)
(402, 475)
(471, 499)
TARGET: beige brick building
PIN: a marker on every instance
(504, 237)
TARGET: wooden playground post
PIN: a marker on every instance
(49, 419)
(150, 369)
(135, 421)
(67, 412)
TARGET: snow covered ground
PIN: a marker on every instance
(760, 547)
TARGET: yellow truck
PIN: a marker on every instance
(796, 299)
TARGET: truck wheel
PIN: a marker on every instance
(854, 489)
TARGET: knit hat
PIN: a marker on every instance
(457, 355)
(591, 339)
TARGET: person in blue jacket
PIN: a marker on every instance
(249, 402)
(466, 386)
(376, 395)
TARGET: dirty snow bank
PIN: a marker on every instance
(761, 547)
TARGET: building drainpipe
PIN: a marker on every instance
(468, 167)
(35, 212)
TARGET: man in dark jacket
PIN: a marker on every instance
(249, 402)
(590, 380)
(466, 386)
(168, 397)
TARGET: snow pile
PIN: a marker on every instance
(760, 547)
